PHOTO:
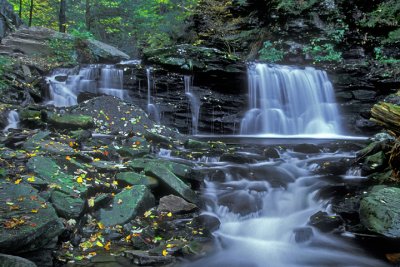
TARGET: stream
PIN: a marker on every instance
(265, 207)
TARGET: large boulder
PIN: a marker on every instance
(14, 261)
(126, 205)
(28, 223)
(36, 42)
(380, 211)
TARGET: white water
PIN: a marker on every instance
(96, 79)
(152, 110)
(266, 237)
(13, 120)
(287, 100)
(194, 103)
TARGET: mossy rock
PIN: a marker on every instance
(126, 205)
(380, 211)
(66, 205)
(71, 121)
(133, 178)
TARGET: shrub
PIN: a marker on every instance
(270, 54)
(5, 66)
(322, 52)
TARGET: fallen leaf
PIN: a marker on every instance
(164, 252)
(107, 246)
(18, 181)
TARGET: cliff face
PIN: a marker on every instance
(9, 21)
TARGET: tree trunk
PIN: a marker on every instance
(20, 9)
(62, 17)
(30, 14)
(88, 16)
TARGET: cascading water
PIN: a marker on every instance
(286, 100)
(194, 103)
(13, 120)
(152, 110)
(264, 209)
(65, 85)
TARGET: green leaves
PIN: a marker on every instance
(270, 54)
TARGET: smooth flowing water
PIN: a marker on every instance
(288, 100)
(65, 84)
(152, 110)
(13, 120)
(194, 103)
(264, 209)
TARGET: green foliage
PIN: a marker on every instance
(62, 51)
(80, 32)
(394, 37)
(5, 66)
(294, 7)
(270, 54)
(322, 52)
(387, 14)
(382, 58)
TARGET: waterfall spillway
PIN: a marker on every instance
(287, 100)
(194, 103)
(152, 110)
(65, 84)
(13, 120)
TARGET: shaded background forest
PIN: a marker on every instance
(247, 28)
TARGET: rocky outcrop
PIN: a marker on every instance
(9, 21)
(36, 42)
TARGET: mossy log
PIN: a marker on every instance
(388, 116)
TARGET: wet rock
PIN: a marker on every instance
(271, 153)
(237, 158)
(14, 261)
(27, 225)
(209, 222)
(175, 204)
(171, 181)
(374, 163)
(34, 141)
(306, 149)
(380, 211)
(325, 222)
(276, 176)
(67, 206)
(126, 205)
(104, 53)
(240, 202)
(195, 144)
(347, 207)
(364, 95)
(80, 135)
(303, 234)
(143, 258)
(134, 178)
(69, 121)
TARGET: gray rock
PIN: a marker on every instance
(67, 206)
(105, 53)
(380, 211)
(126, 205)
(175, 204)
(9, 21)
(14, 261)
(364, 95)
(28, 225)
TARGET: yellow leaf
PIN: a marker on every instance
(164, 252)
(147, 213)
(99, 244)
(96, 159)
(34, 211)
(169, 214)
(68, 158)
(115, 182)
(91, 202)
(107, 246)
(31, 179)
(128, 237)
(79, 179)
(100, 225)
(18, 181)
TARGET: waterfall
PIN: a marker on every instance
(65, 85)
(152, 110)
(194, 103)
(285, 100)
(13, 120)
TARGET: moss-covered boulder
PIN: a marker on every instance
(28, 223)
(71, 121)
(126, 205)
(134, 178)
(186, 57)
(380, 211)
(14, 261)
(67, 206)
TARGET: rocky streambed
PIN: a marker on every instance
(100, 183)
